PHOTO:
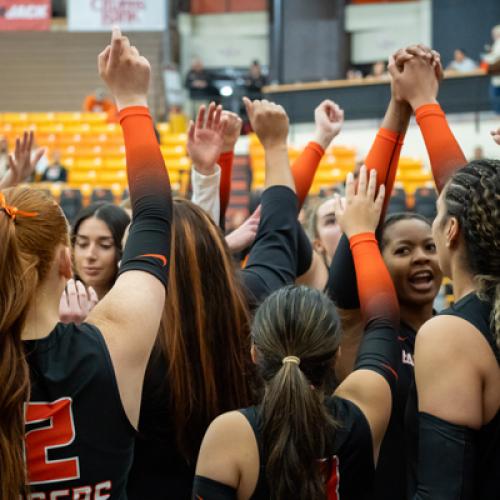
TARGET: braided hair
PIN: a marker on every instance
(473, 197)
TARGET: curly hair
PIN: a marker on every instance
(473, 197)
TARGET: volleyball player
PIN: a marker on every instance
(299, 442)
(70, 394)
(200, 365)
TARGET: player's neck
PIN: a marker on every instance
(416, 316)
(43, 314)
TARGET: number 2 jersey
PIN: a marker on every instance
(79, 441)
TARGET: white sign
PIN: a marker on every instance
(129, 15)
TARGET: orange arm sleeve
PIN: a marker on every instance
(444, 152)
(304, 168)
(225, 163)
(384, 158)
(377, 295)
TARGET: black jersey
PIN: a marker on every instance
(350, 457)
(159, 470)
(486, 479)
(79, 441)
(391, 473)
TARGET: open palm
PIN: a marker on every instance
(206, 138)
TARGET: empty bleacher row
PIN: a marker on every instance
(91, 149)
(414, 187)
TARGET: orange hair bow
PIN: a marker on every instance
(13, 212)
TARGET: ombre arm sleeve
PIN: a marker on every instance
(148, 244)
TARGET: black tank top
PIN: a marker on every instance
(390, 476)
(79, 441)
(478, 313)
(159, 471)
(350, 458)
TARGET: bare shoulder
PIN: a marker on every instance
(229, 446)
(447, 337)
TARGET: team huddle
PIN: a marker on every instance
(317, 368)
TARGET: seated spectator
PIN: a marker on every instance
(99, 103)
(4, 156)
(198, 78)
(461, 62)
(378, 72)
(55, 172)
(353, 74)
(255, 80)
(492, 59)
(478, 153)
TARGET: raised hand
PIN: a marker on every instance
(269, 121)
(21, 165)
(432, 56)
(416, 84)
(232, 131)
(329, 118)
(206, 138)
(125, 71)
(76, 302)
(415, 73)
(496, 135)
(359, 211)
(244, 236)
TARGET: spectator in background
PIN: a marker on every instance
(492, 58)
(41, 164)
(354, 74)
(478, 153)
(4, 156)
(55, 172)
(461, 63)
(197, 79)
(379, 71)
(99, 103)
(255, 80)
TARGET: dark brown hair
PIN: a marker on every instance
(473, 196)
(205, 329)
(27, 251)
(296, 426)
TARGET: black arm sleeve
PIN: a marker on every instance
(446, 460)
(148, 244)
(341, 286)
(304, 251)
(272, 262)
(207, 489)
(379, 351)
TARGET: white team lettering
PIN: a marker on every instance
(407, 358)
(101, 491)
(82, 493)
(59, 494)
(27, 12)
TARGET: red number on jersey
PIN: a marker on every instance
(57, 433)
(332, 485)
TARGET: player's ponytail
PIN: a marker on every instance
(296, 335)
(31, 225)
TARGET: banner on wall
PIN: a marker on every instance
(22, 15)
(130, 15)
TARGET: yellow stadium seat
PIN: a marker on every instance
(174, 140)
(178, 123)
(173, 151)
(79, 177)
(86, 162)
(115, 163)
(179, 164)
(109, 177)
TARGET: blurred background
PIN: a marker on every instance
(295, 52)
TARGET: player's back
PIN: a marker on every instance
(79, 441)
